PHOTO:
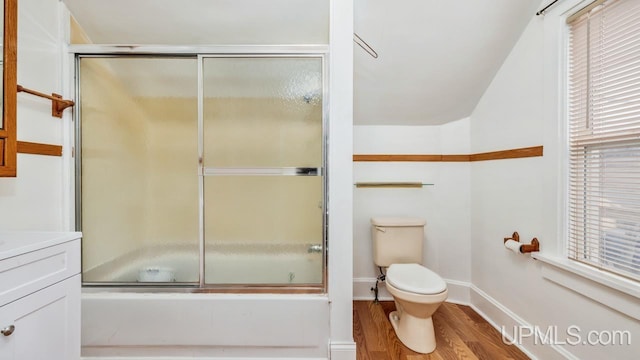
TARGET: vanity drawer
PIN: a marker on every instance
(24, 274)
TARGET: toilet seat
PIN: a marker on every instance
(415, 278)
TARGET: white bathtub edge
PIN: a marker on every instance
(251, 326)
(193, 358)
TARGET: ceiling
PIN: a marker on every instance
(203, 22)
(436, 58)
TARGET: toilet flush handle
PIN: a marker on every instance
(383, 230)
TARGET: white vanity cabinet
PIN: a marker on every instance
(40, 295)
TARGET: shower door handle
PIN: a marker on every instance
(308, 171)
(261, 171)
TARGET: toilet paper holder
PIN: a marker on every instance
(524, 248)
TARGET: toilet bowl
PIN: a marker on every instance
(417, 292)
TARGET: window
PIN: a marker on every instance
(604, 136)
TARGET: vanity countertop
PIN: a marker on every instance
(13, 243)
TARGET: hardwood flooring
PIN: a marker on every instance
(460, 334)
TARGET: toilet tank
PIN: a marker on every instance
(397, 240)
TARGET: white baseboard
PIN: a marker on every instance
(362, 290)
(342, 351)
(458, 290)
(500, 316)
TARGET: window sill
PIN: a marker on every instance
(614, 291)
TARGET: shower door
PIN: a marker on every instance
(201, 171)
(262, 147)
(136, 169)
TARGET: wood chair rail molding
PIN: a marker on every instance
(533, 151)
(25, 147)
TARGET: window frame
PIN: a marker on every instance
(609, 289)
(588, 148)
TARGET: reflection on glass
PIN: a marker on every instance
(139, 170)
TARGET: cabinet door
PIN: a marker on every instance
(47, 324)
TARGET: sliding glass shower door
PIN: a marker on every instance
(204, 171)
(136, 166)
(263, 170)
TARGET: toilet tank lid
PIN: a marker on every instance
(397, 221)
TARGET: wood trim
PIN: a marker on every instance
(39, 148)
(493, 155)
(387, 157)
(508, 154)
(456, 158)
(8, 163)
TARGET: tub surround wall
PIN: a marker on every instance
(171, 200)
(114, 174)
(161, 171)
(286, 133)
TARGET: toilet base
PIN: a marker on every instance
(415, 333)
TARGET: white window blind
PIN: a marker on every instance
(604, 136)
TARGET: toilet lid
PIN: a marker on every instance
(415, 278)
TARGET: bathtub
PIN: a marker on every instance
(171, 323)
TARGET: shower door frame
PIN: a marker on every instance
(201, 53)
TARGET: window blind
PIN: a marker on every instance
(604, 137)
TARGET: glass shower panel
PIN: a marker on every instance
(263, 112)
(263, 230)
(139, 185)
(263, 170)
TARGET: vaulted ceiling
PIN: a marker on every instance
(436, 58)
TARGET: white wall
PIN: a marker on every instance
(340, 178)
(33, 200)
(517, 110)
(473, 206)
(445, 205)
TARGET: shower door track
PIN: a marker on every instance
(202, 52)
(229, 50)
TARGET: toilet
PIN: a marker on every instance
(416, 290)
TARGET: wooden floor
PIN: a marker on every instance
(460, 334)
